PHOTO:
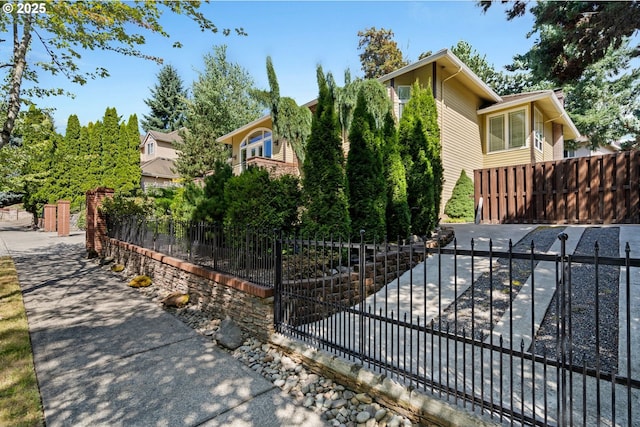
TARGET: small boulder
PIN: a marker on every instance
(140, 282)
(229, 334)
(175, 299)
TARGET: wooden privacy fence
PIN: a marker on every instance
(585, 190)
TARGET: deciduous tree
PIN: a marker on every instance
(65, 29)
(221, 102)
(380, 53)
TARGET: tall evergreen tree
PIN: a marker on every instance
(168, 102)
(290, 123)
(94, 155)
(133, 152)
(65, 184)
(419, 136)
(324, 179)
(398, 215)
(222, 102)
(109, 141)
(365, 175)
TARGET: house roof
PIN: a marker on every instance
(159, 167)
(226, 139)
(546, 100)
(169, 137)
(450, 62)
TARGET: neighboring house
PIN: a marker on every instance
(157, 156)
(584, 150)
(478, 128)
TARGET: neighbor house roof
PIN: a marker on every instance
(169, 137)
(159, 167)
(546, 100)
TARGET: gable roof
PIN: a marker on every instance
(159, 167)
(450, 62)
(169, 137)
(546, 100)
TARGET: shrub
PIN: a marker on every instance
(460, 205)
(255, 199)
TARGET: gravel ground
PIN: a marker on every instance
(496, 290)
(584, 328)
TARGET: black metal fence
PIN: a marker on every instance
(522, 335)
(508, 334)
(243, 252)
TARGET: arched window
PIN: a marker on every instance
(256, 144)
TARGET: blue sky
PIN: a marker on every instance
(298, 35)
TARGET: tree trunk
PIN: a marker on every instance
(20, 48)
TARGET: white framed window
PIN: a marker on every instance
(538, 129)
(256, 144)
(507, 131)
(404, 93)
(150, 148)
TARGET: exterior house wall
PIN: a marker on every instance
(548, 151)
(459, 134)
(161, 149)
(558, 141)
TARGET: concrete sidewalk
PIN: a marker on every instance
(104, 355)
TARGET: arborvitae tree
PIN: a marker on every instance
(398, 215)
(133, 152)
(65, 184)
(365, 175)
(77, 168)
(94, 155)
(324, 180)
(167, 103)
(122, 181)
(419, 137)
(420, 183)
(109, 141)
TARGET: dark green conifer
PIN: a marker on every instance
(324, 181)
(365, 175)
(167, 102)
(398, 215)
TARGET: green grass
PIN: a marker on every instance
(20, 403)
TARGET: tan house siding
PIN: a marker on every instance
(423, 75)
(161, 149)
(507, 158)
(459, 134)
(548, 152)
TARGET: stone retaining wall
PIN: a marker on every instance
(248, 304)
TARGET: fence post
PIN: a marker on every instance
(277, 285)
(361, 280)
(562, 319)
